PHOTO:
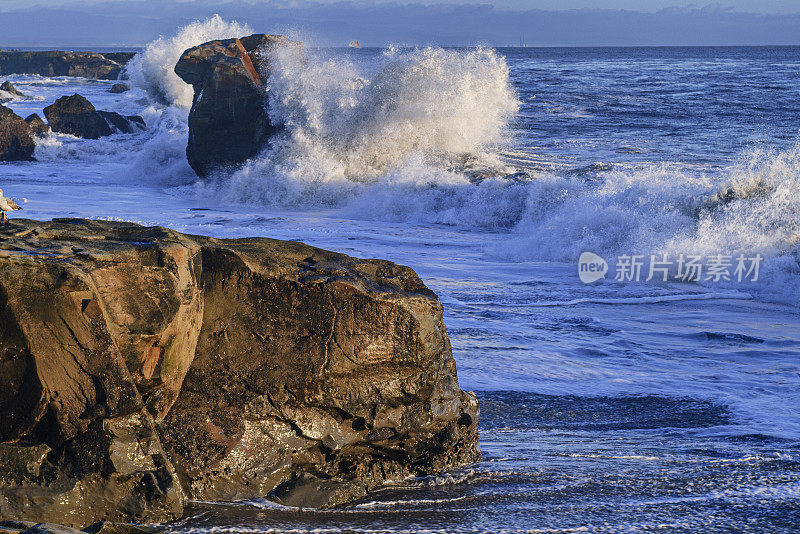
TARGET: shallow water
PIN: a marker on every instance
(610, 407)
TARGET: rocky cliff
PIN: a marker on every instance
(60, 63)
(140, 366)
(228, 121)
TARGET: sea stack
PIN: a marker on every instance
(228, 121)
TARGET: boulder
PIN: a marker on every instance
(50, 528)
(15, 527)
(140, 366)
(8, 92)
(8, 88)
(77, 116)
(16, 139)
(107, 527)
(60, 63)
(228, 121)
(123, 123)
(101, 527)
(37, 125)
(119, 88)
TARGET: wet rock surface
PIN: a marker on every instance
(8, 92)
(119, 88)
(108, 527)
(59, 63)
(7, 527)
(140, 366)
(228, 121)
(75, 115)
(37, 125)
(102, 527)
(16, 137)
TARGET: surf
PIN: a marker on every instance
(431, 136)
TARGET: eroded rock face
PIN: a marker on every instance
(59, 63)
(102, 527)
(16, 139)
(119, 88)
(75, 440)
(77, 116)
(266, 367)
(228, 122)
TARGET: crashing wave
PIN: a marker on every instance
(419, 136)
(152, 69)
(424, 117)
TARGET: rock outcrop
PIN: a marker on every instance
(16, 139)
(8, 92)
(140, 366)
(102, 527)
(9, 88)
(119, 88)
(228, 121)
(37, 125)
(60, 63)
(77, 116)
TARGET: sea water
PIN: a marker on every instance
(621, 405)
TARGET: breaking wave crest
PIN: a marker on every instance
(152, 69)
(750, 206)
(422, 136)
(408, 117)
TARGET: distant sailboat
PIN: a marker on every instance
(522, 42)
(355, 44)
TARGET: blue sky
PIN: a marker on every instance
(751, 6)
(104, 23)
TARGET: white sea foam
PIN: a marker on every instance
(420, 136)
(5, 96)
(412, 120)
(152, 69)
(403, 139)
(736, 295)
(751, 207)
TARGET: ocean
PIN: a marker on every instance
(621, 405)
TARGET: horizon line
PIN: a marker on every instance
(88, 48)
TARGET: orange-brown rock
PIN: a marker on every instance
(228, 122)
(140, 366)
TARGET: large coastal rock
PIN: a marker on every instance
(101, 527)
(228, 122)
(16, 137)
(77, 116)
(140, 366)
(60, 63)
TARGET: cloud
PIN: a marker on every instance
(134, 23)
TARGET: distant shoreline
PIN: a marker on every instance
(101, 49)
(96, 49)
